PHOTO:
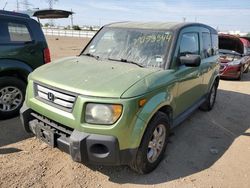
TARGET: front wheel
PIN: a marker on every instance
(153, 144)
(209, 103)
(12, 92)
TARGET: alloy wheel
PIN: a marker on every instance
(156, 143)
(10, 98)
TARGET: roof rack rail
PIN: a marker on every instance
(9, 13)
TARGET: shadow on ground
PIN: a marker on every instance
(9, 150)
(197, 144)
(11, 132)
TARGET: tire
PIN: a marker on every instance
(145, 160)
(209, 103)
(240, 76)
(12, 94)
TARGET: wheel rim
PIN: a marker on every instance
(10, 98)
(156, 143)
(212, 96)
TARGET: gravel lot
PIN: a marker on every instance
(210, 149)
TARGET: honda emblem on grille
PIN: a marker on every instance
(51, 96)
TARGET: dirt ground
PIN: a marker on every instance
(210, 149)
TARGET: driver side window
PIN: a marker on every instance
(189, 44)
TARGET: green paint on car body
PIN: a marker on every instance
(99, 76)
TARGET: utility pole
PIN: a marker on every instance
(217, 28)
(51, 3)
(72, 19)
(195, 19)
(17, 5)
(5, 5)
(100, 21)
(26, 4)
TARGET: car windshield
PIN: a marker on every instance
(143, 47)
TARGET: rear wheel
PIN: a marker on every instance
(12, 92)
(209, 103)
(153, 145)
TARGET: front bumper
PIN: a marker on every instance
(83, 147)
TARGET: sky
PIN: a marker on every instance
(225, 15)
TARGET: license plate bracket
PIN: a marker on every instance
(45, 134)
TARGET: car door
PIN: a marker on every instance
(18, 42)
(209, 57)
(188, 78)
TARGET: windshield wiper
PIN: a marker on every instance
(126, 61)
(92, 55)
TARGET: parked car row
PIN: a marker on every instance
(117, 101)
(234, 56)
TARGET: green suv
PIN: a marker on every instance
(22, 49)
(116, 102)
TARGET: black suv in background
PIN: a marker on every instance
(23, 48)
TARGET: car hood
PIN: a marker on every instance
(232, 43)
(88, 76)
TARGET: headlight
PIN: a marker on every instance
(106, 114)
(237, 62)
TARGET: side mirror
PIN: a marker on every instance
(191, 60)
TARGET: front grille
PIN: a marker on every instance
(58, 128)
(60, 99)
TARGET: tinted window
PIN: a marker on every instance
(189, 44)
(207, 45)
(18, 32)
(4, 34)
(215, 44)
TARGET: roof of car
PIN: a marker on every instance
(16, 14)
(245, 42)
(228, 35)
(158, 25)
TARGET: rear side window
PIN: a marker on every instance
(18, 32)
(207, 45)
(189, 44)
(215, 44)
(4, 34)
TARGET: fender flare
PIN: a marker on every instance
(14, 67)
(146, 114)
(212, 81)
